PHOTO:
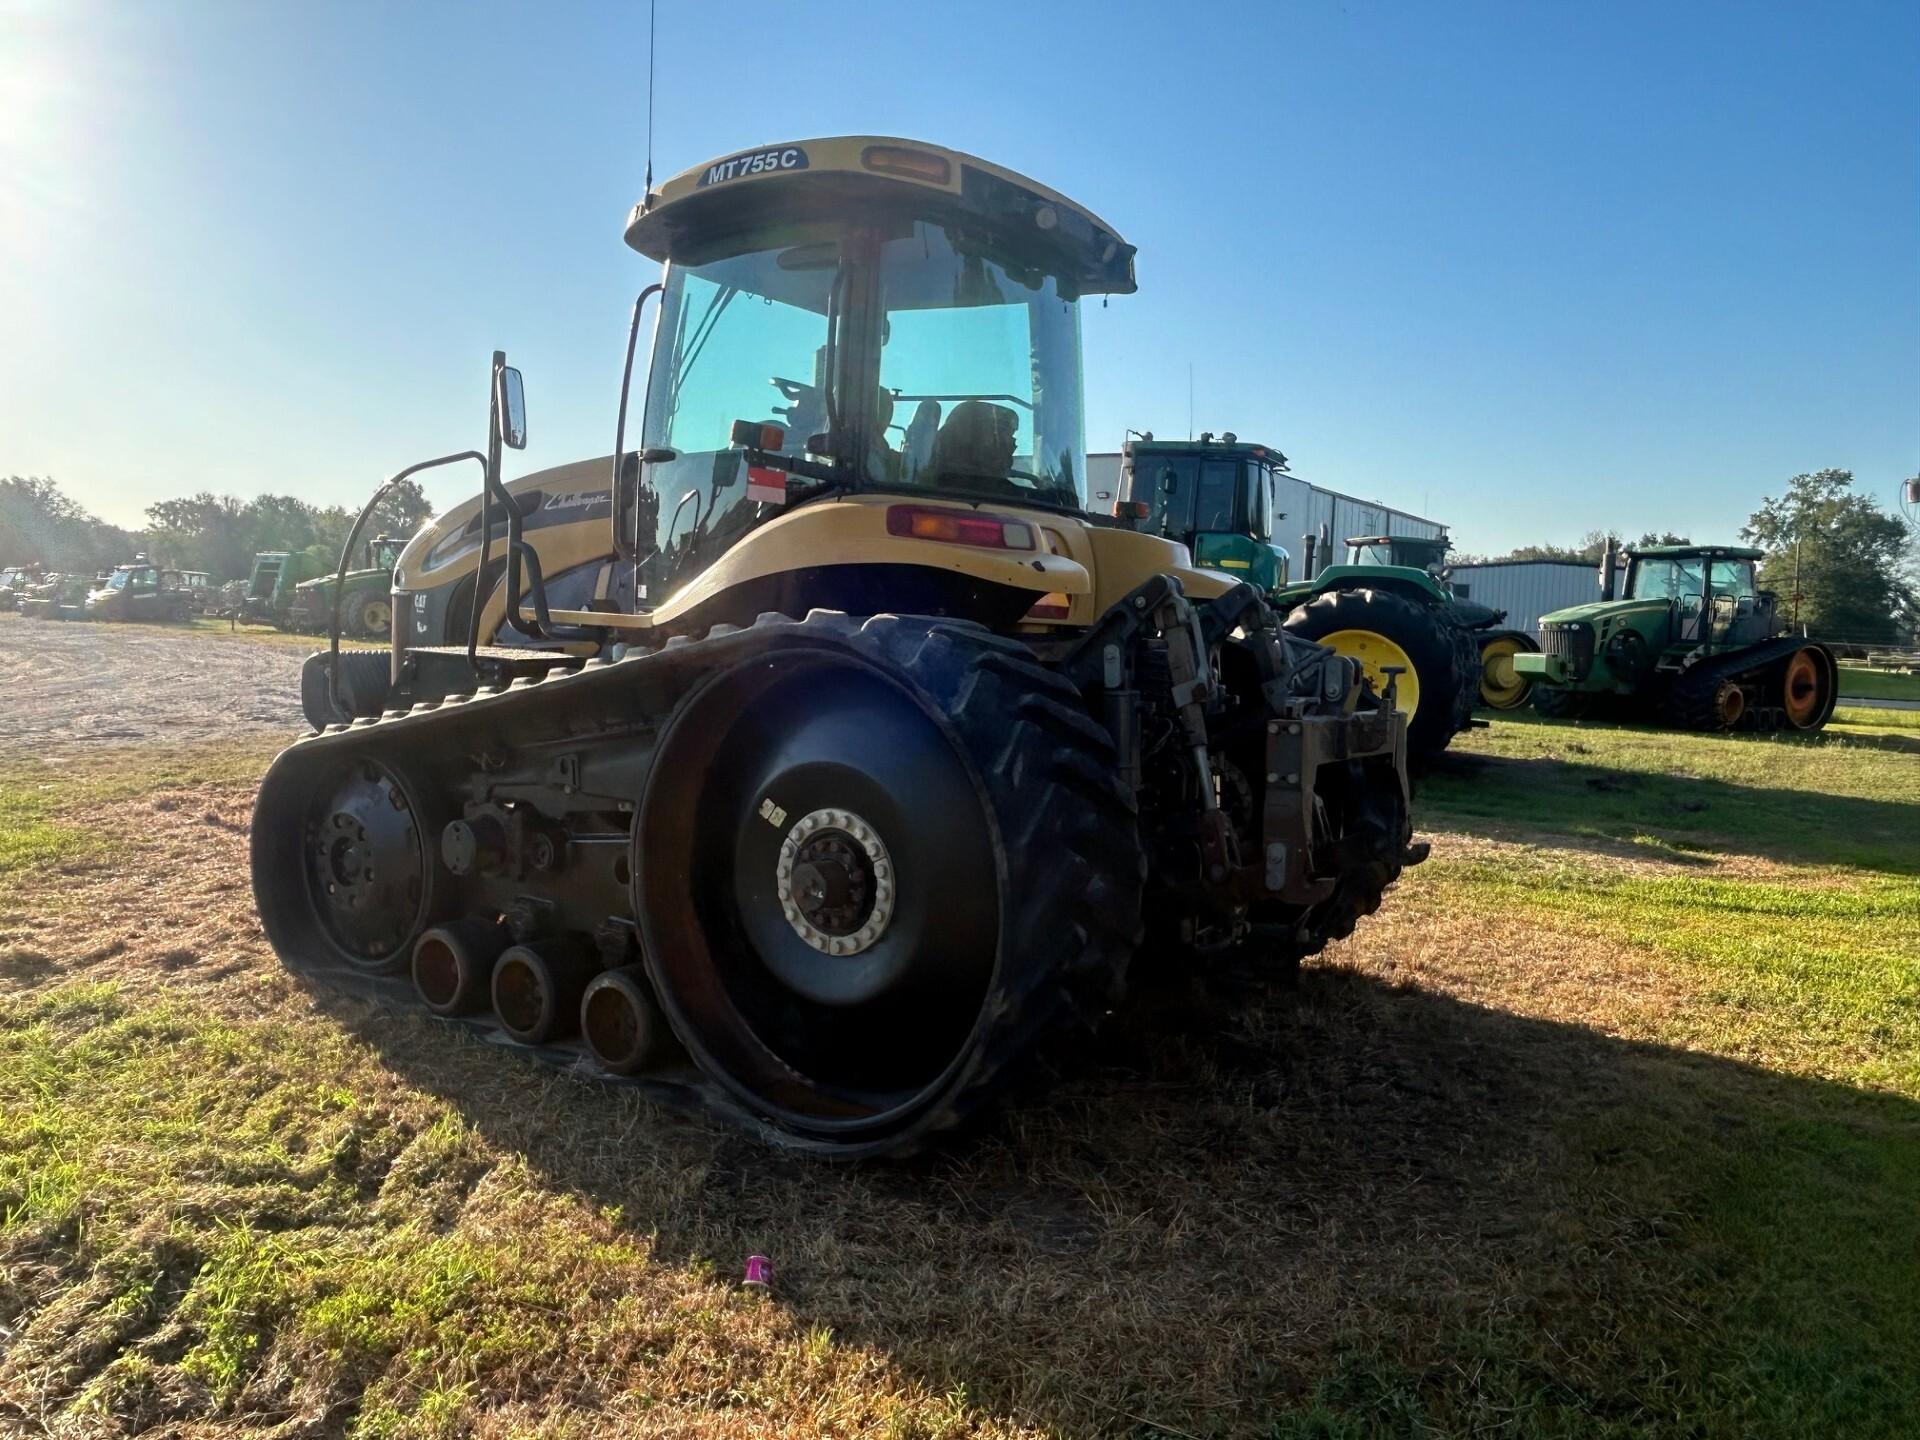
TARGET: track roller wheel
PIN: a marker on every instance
(1808, 688)
(453, 964)
(622, 1024)
(341, 869)
(537, 988)
(1501, 687)
(870, 876)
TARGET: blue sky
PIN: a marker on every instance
(1531, 268)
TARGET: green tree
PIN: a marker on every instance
(203, 532)
(40, 524)
(1588, 551)
(1842, 565)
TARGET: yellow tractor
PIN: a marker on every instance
(876, 758)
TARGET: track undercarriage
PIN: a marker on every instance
(833, 877)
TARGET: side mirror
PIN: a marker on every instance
(512, 402)
(1744, 605)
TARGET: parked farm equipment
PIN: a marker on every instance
(1693, 643)
(1389, 606)
(884, 754)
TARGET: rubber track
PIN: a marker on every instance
(1067, 824)
(1689, 704)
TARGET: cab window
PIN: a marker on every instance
(1733, 577)
(1213, 502)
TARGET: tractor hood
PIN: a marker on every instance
(1596, 611)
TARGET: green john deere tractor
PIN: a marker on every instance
(1692, 644)
(366, 606)
(1388, 606)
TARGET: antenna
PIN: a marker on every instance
(647, 188)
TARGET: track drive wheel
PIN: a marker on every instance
(1501, 686)
(1381, 630)
(1808, 686)
(875, 865)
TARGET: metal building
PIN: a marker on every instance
(1305, 509)
(1528, 589)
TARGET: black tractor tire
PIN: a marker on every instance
(1067, 900)
(368, 615)
(1436, 648)
(1558, 702)
(364, 680)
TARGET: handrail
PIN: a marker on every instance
(346, 556)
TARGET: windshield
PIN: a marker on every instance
(118, 580)
(909, 357)
(1664, 579)
(979, 373)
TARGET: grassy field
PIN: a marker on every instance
(1865, 684)
(1607, 1124)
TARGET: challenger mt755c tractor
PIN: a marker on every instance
(1693, 644)
(1389, 607)
(886, 756)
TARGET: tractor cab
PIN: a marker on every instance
(1412, 552)
(1709, 591)
(1219, 497)
(857, 316)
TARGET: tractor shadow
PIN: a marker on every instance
(1501, 797)
(1229, 1197)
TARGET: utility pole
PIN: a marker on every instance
(1189, 400)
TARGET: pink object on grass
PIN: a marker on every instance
(759, 1272)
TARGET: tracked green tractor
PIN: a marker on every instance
(1389, 606)
(877, 758)
(1693, 643)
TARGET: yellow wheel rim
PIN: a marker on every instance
(1376, 653)
(379, 617)
(1501, 688)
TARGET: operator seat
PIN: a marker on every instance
(975, 444)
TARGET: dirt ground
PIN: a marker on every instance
(76, 682)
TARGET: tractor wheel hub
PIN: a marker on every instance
(835, 882)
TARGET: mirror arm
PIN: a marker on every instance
(346, 555)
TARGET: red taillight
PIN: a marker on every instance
(959, 527)
(1131, 509)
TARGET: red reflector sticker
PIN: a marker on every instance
(767, 486)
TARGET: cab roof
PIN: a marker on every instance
(1691, 552)
(824, 178)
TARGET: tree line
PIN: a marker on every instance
(220, 534)
(1843, 567)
